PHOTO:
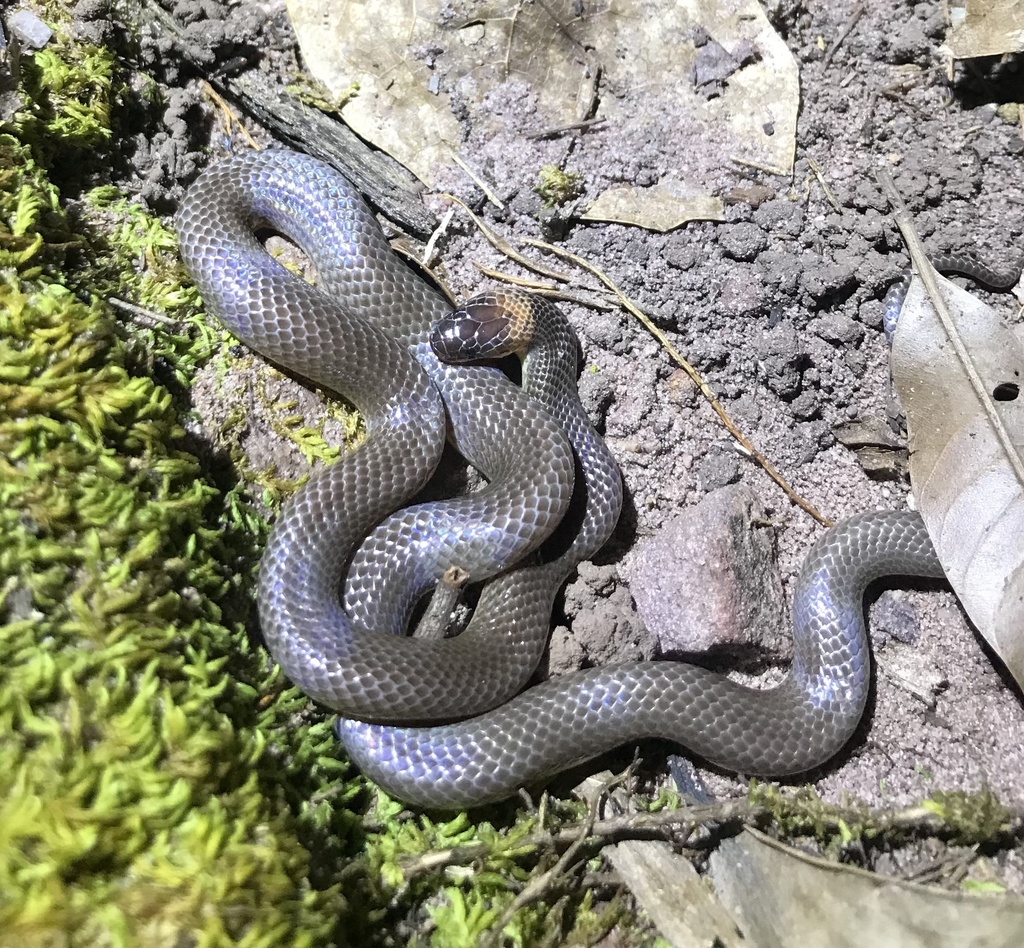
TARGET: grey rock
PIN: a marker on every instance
(782, 357)
(829, 279)
(894, 618)
(604, 625)
(838, 329)
(30, 30)
(680, 256)
(782, 216)
(743, 294)
(717, 469)
(709, 577)
(805, 406)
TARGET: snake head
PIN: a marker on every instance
(487, 327)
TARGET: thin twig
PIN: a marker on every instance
(668, 823)
(855, 15)
(543, 289)
(631, 826)
(499, 243)
(231, 119)
(480, 183)
(551, 132)
(829, 196)
(756, 165)
(144, 316)
(543, 884)
(438, 614)
(705, 389)
(442, 228)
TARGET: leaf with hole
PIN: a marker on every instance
(960, 389)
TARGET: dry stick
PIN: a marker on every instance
(705, 389)
(534, 286)
(231, 119)
(506, 248)
(858, 12)
(146, 317)
(543, 289)
(660, 825)
(573, 126)
(437, 616)
(756, 165)
(816, 168)
(541, 885)
(480, 183)
(666, 824)
(442, 228)
(923, 268)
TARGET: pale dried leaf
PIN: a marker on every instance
(398, 50)
(985, 28)
(655, 208)
(966, 479)
(785, 897)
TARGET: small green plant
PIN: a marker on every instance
(557, 187)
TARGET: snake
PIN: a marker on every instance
(444, 723)
(363, 331)
(949, 264)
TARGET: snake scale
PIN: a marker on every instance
(364, 331)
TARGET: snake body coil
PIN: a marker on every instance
(364, 332)
(336, 651)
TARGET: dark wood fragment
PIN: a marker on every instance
(388, 185)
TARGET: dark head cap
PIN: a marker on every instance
(480, 330)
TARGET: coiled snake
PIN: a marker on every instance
(364, 332)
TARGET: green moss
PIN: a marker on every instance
(141, 798)
(971, 817)
(69, 91)
(557, 187)
(319, 97)
(136, 796)
(804, 813)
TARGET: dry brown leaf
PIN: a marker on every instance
(785, 897)
(965, 419)
(985, 28)
(695, 69)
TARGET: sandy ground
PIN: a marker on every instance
(779, 308)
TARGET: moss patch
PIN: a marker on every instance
(141, 801)
(134, 799)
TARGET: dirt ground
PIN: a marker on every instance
(779, 308)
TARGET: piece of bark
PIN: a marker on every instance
(387, 185)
